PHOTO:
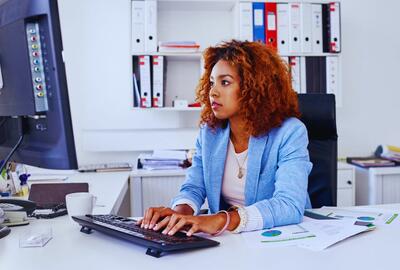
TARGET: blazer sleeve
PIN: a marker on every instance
(289, 199)
(193, 189)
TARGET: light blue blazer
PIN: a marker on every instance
(277, 172)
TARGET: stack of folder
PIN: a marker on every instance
(149, 73)
(314, 74)
(144, 26)
(369, 162)
(163, 160)
(389, 152)
(292, 27)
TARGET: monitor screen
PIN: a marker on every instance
(33, 88)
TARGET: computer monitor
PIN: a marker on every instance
(34, 105)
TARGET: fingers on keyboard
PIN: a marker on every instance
(164, 222)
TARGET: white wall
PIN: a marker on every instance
(96, 39)
(96, 36)
(370, 76)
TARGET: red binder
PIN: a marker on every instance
(271, 29)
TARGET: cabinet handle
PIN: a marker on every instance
(349, 182)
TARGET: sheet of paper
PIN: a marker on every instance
(394, 217)
(290, 235)
(311, 234)
(329, 232)
(375, 217)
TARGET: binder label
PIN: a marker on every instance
(258, 17)
(271, 21)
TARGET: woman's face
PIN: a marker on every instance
(224, 92)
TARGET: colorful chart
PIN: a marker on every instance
(366, 218)
(271, 233)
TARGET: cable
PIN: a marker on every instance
(3, 122)
(11, 153)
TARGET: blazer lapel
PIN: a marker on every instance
(218, 151)
(256, 150)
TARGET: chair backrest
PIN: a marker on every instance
(319, 116)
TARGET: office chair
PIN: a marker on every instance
(319, 116)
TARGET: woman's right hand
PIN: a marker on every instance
(153, 215)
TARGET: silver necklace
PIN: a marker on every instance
(240, 171)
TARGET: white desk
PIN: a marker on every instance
(70, 249)
(110, 190)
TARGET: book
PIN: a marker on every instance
(388, 152)
(368, 162)
(178, 46)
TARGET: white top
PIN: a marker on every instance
(232, 185)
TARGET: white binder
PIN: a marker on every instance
(303, 75)
(246, 21)
(285, 59)
(283, 28)
(150, 26)
(145, 81)
(332, 75)
(136, 92)
(316, 28)
(335, 42)
(138, 26)
(158, 81)
(294, 62)
(306, 26)
(294, 28)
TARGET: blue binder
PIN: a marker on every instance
(258, 22)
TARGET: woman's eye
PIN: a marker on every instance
(211, 84)
(225, 82)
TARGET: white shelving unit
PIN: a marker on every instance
(208, 23)
(99, 73)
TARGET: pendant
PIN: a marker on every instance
(240, 173)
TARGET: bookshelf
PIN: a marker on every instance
(209, 22)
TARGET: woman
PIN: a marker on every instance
(251, 154)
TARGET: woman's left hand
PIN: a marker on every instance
(208, 223)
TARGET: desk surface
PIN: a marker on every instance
(71, 249)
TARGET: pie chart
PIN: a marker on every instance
(366, 218)
(271, 233)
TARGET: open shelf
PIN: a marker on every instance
(171, 109)
(178, 56)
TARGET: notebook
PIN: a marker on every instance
(50, 195)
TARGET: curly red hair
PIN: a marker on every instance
(266, 96)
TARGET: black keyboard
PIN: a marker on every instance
(155, 241)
